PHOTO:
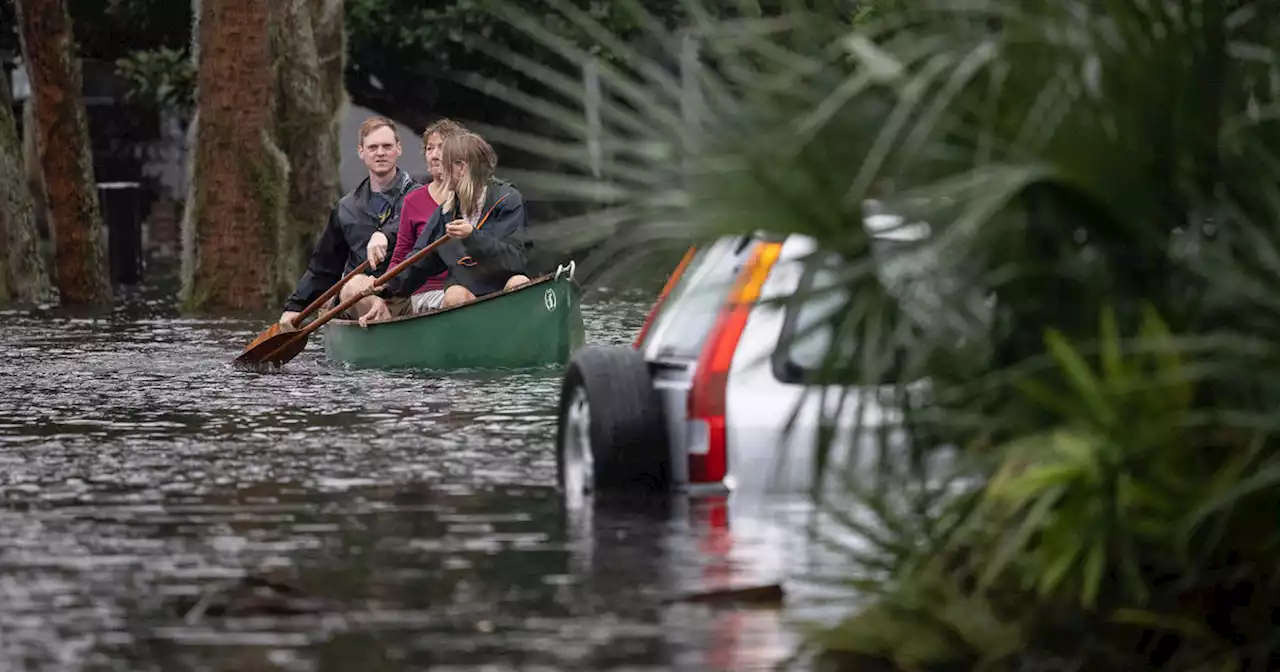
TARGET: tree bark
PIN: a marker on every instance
(236, 204)
(309, 58)
(34, 175)
(62, 141)
(24, 277)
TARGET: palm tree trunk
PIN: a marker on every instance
(24, 277)
(62, 142)
(309, 54)
(236, 205)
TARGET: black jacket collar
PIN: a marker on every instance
(399, 184)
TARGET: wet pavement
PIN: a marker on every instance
(163, 511)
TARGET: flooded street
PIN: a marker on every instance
(162, 511)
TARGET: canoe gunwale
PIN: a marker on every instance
(549, 277)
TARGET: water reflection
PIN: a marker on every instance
(409, 577)
(163, 511)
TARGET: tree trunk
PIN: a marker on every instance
(23, 274)
(62, 141)
(236, 204)
(34, 175)
(309, 57)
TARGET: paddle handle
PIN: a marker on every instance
(328, 293)
(411, 260)
(337, 310)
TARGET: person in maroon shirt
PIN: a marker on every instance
(418, 207)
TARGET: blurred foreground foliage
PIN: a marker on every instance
(1080, 355)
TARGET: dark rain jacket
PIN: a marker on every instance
(342, 246)
(483, 261)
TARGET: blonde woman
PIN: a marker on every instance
(485, 219)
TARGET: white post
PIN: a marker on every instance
(595, 129)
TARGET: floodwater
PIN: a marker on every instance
(162, 511)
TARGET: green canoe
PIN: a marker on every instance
(537, 324)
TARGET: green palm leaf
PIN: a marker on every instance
(1093, 318)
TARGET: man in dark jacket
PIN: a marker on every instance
(362, 224)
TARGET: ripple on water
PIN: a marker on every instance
(410, 515)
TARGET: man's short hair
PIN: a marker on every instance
(374, 123)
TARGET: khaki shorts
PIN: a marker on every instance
(416, 304)
(348, 314)
(399, 306)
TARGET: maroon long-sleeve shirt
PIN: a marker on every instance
(414, 215)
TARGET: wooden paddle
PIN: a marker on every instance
(277, 350)
(274, 330)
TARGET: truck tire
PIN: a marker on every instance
(611, 423)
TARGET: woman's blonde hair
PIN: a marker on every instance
(480, 159)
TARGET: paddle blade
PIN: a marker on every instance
(255, 356)
(264, 336)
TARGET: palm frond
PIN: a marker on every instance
(1044, 451)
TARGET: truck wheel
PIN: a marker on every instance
(612, 435)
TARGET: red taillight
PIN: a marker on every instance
(707, 396)
(666, 289)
